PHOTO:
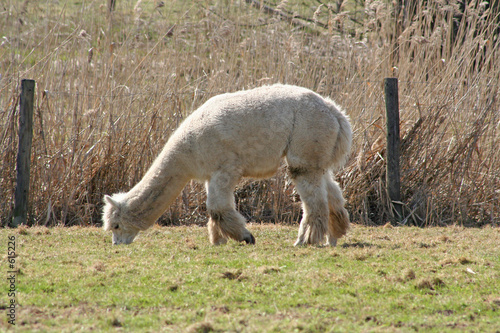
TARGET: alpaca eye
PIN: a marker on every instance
(116, 227)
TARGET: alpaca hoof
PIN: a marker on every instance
(249, 239)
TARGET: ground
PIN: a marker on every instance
(171, 279)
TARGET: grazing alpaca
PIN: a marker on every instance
(246, 134)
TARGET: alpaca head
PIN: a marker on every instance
(118, 221)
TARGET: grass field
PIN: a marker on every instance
(111, 88)
(170, 280)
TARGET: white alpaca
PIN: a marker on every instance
(246, 134)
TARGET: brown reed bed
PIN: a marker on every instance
(111, 87)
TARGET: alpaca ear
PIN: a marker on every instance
(111, 201)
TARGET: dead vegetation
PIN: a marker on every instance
(111, 87)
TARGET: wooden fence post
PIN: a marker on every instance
(111, 5)
(24, 153)
(393, 145)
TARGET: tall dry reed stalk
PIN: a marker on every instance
(111, 88)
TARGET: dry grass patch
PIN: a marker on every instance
(430, 284)
(409, 274)
(201, 328)
(269, 270)
(232, 275)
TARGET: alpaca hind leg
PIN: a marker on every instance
(224, 220)
(338, 215)
(314, 224)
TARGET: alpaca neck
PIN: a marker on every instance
(159, 187)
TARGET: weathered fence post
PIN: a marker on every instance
(393, 145)
(24, 152)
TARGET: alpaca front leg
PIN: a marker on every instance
(231, 224)
(224, 220)
(214, 233)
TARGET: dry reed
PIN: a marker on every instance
(111, 87)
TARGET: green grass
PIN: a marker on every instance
(111, 88)
(171, 279)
